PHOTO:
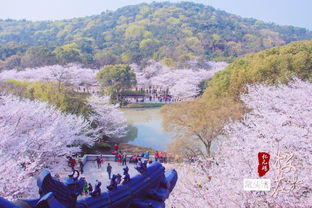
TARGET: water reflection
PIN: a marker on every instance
(131, 135)
(148, 123)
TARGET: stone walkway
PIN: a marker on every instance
(92, 172)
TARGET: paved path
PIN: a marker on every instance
(92, 172)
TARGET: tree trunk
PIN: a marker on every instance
(208, 145)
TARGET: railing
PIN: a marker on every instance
(92, 157)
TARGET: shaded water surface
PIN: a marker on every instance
(147, 128)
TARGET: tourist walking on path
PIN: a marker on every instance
(134, 159)
(116, 156)
(118, 178)
(124, 159)
(119, 160)
(90, 188)
(113, 183)
(109, 170)
(102, 159)
(126, 178)
(146, 155)
(98, 161)
(86, 188)
(72, 163)
(116, 147)
(160, 156)
(165, 157)
(170, 157)
(156, 156)
(97, 189)
(81, 165)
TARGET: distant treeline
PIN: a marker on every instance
(173, 33)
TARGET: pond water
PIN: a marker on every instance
(146, 128)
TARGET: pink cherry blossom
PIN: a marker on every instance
(34, 136)
(280, 120)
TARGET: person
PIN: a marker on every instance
(139, 162)
(145, 164)
(126, 169)
(156, 156)
(97, 189)
(116, 147)
(165, 157)
(126, 177)
(72, 163)
(98, 161)
(119, 160)
(170, 157)
(133, 159)
(101, 159)
(81, 165)
(109, 170)
(86, 188)
(96, 183)
(118, 178)
(160, 156)
(146, 155)
(113, 184)
(141, 167)
(90, 188)
(124, 159)
(116, 156)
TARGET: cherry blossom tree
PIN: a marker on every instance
(279, 123)
(182, 83)
(35, 136)
(109, 118)
(72, 74)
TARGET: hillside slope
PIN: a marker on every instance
(204, 119)
(172, 32)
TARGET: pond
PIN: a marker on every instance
(146, 128)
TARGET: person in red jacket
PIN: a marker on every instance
(156, 156)
(116, 147)
(160, 156)
(72, 163)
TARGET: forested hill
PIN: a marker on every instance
(171, 32)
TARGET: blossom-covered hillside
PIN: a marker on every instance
(182, 83)
(280, 124)
(72, 74)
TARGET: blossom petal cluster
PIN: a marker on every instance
(110, 120)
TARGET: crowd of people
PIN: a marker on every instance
(162, 157)
(141, 160)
